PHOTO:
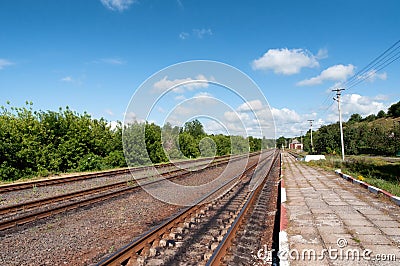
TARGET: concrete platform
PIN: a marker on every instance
(332, 222)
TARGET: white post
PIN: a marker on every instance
(338, 92)
(312, 145)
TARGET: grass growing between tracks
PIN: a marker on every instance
(374, 171)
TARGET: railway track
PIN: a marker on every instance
(68, 179)
(30, 211)
(194, 235)
(248, 235)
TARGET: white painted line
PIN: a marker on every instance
(283, 195)
(396, 200)
(284, 248)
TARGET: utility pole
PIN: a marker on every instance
(301, 139)
(312, 145)
(338, 93)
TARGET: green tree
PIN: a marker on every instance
(381, 114)
(170, 141)
(223, 144)
(394, 110)
(254, 143)
(239, 145)
(187, 145)
(207, 147)
(153, 143)
(281, 142)
(370, 118)
(135, 145)
(354, 118)
(194, 128)
(327, 139)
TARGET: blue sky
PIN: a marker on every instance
(93, 55)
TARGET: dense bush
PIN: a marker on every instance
(40, 143)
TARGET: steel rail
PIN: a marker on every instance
(128, 253)
(221, 250)
(67, 179)
(86, 192)
(75, 194)
(84, 202)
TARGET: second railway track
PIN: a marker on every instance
(74, 178)
(26, 212)
(206, 230)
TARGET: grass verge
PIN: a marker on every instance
(374, 171)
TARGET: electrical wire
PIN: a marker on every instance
(379, 67)
(374, 62)
(386, 58)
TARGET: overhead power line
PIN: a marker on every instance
(386, 58)
(374, 62)
(383, 60)
(373, 72)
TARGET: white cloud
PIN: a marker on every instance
(117, 5)
(184, 35)
(372, 75)
(204, 98)
(322, 53)
(380, 97)
(285, 61)
(355, 103)
(112, 61)
(200, 81)
(180, 98)
(232, 116)
(214, 127)
(363, 105)
(184, 111)
(113, 124)
(67, 79)
(333, 73)
(254, 105)
(289, 123)
(196, 33)
(131, 117)
(77, 81)
(250, 118)
(285, 115)
(203, 94)
(4, 63)
(200, 33)
(109, 112)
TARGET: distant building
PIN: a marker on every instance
(296, 145)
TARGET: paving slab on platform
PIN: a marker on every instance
(344, 224)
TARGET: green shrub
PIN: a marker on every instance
(90, 162)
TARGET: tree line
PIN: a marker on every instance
(40, 143)
(374, 134)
